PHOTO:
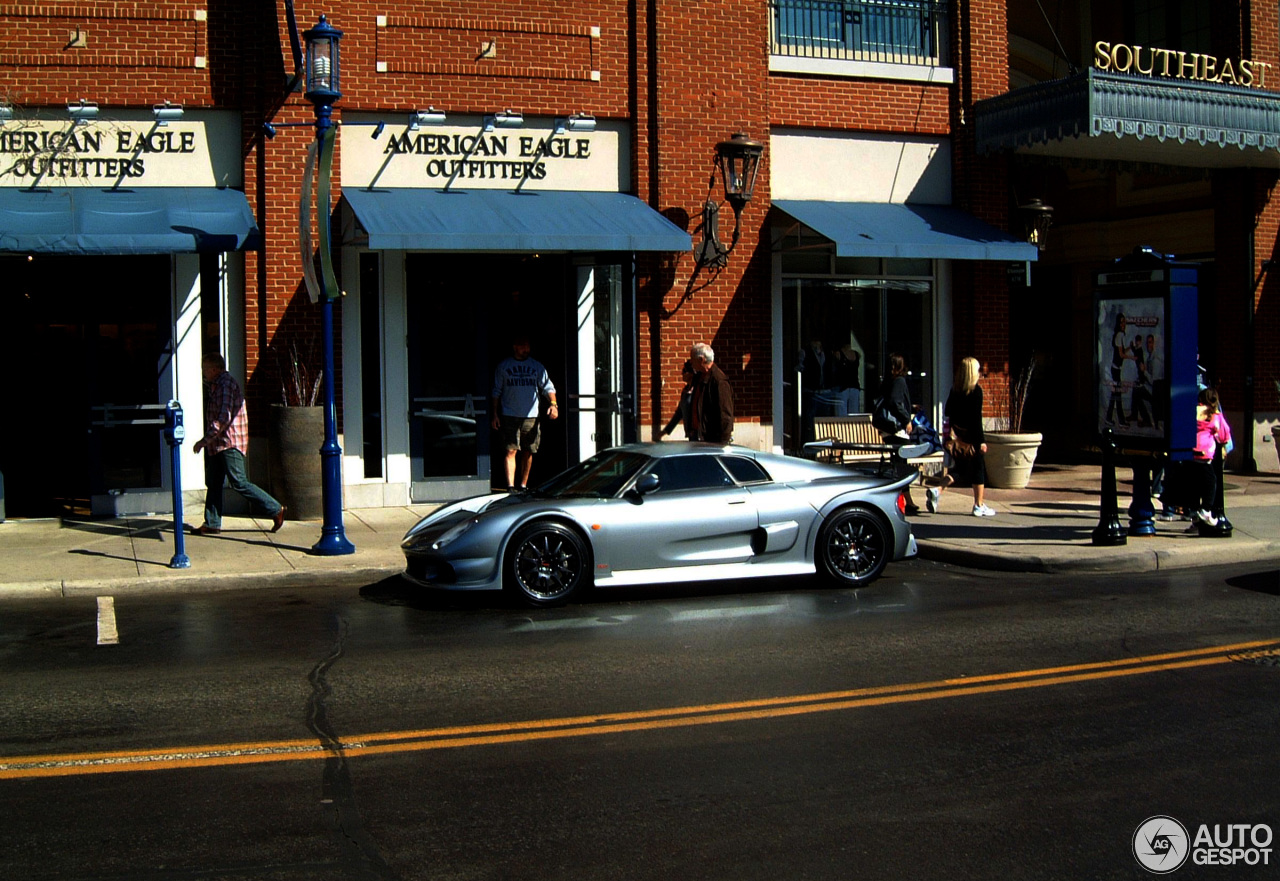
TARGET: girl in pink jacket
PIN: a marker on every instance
(1211, 431)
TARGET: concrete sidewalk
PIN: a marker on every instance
(1046, 527)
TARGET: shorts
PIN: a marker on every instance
(520, 434)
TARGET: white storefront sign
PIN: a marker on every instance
(463, 156)
(120, 152)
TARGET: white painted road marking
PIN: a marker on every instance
(107, 634)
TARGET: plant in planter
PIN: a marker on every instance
(1011, 452)
(297, 433)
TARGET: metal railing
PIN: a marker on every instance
(889, 31)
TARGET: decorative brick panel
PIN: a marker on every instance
(116, 35)
(479, 48)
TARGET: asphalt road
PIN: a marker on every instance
(938, 724)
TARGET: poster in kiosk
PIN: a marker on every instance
(1145, 309)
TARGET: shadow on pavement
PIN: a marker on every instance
(1258, 582)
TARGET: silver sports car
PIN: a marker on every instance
(662, 512)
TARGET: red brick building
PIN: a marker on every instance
(543, 168)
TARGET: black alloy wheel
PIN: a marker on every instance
(853, 546)
(546, 563)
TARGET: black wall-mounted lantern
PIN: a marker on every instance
(1037, 217)
(738, 159)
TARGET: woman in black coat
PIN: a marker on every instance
(897, 398)
(964, 413)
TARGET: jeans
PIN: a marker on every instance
(229, 466)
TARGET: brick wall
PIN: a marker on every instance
(1263, 41)
(707, 82)
(980, 47)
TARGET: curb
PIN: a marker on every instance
(202, 583)
(1125, 559)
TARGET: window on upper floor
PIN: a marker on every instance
(908, 32)
(1181, 24)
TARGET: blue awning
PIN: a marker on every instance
(882, 229)
(154, 220)
(500, 220)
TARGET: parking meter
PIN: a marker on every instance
(174, 435)
(174, 432)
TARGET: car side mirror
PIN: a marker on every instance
(645, 484)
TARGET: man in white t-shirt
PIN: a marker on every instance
(519, 385)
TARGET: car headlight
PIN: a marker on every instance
(452, 533)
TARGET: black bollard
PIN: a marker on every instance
(1223, 527)
(1109, 531)
(1141, 514)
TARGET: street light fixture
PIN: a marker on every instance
(738, 159)
(322, 72)
(1037, 217)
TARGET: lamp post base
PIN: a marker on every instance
(332, 543)
(333, 537)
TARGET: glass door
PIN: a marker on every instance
(449, 386)
(598, 402)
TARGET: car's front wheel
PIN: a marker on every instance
(546, 564)
(853, 546)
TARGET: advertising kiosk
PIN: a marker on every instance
(1145, 353)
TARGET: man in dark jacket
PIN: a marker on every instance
(711, 412)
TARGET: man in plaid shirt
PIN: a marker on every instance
(225, 442)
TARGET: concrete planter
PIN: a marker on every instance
(297, 434)
(1010, 458)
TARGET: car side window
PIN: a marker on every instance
(690, 472)
(744, 470)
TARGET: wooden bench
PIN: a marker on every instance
(856, 428)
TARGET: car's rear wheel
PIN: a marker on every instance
(853, 546)
(546, 564)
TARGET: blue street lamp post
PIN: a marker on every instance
(322, 91)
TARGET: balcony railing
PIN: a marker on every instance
(886, 31)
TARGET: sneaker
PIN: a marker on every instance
(1203, 516)
(913, 451)
(931, 496)
(912, 510)
(983, 511)
(1166, 516)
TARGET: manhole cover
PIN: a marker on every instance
(1259, 658)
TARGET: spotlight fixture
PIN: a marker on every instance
(269, 129)
(504, 119)
(578, 122)
(430, 116)
(6, 111)
(378, 129)
(83, 111)
(167, 112)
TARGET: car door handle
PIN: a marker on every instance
(739, 502)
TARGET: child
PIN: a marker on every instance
(1211, 431)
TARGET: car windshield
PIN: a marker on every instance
(602, 476)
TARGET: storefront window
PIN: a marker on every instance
(840, 330)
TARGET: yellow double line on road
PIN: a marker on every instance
(19, 767)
